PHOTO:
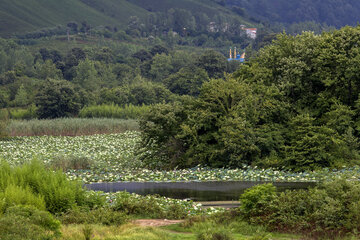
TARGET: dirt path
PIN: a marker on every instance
(156, 222)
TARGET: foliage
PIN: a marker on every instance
(35, 185)
(294, 105)
(113, 111)
(102, 215)
(23, 114)
(254, 200)
(57, 99)
(213, 63)
(225, 126)
(187, 81)
(14, 195)
(330, 209)
(138, 93)
(154, 206)
(27, 222)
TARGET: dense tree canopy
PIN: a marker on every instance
(296, 106)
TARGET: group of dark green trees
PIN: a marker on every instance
(61, 83)
(296, 106)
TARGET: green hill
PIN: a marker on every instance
(29, 15)
(20, 16)
(205, 6)
(336, 13)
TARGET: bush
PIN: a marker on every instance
(23, 114)
(15, 195)
(254, 200)
(58, 193)
(150, 206)
(329, 210)
(26, 222)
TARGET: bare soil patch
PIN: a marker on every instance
(156, 222)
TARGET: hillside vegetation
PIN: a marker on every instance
(335, 13)
(29, 15)
(20, 16)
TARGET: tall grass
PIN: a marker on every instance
(69, 127)
(114, 111)
(32, 184)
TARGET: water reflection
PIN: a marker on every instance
(197, 191)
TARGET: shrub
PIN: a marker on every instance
(15, 195)
(24, 114)
(254, 201)
(27, 222)
(330, 210)
(58, 193)
(151, 206)
(132, 205)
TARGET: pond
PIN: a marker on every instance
(197, 191)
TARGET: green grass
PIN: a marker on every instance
(70, 127)
(133, 232)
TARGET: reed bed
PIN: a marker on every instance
(70, 127)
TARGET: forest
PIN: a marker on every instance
(293, 106)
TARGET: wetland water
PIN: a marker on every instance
(197, 191)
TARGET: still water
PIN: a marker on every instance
(197, 191)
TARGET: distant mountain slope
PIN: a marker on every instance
(20, 16)
(28, 15)
(120, 10)
(206, 6)
(332, 12)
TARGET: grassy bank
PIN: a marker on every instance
(70, 127)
